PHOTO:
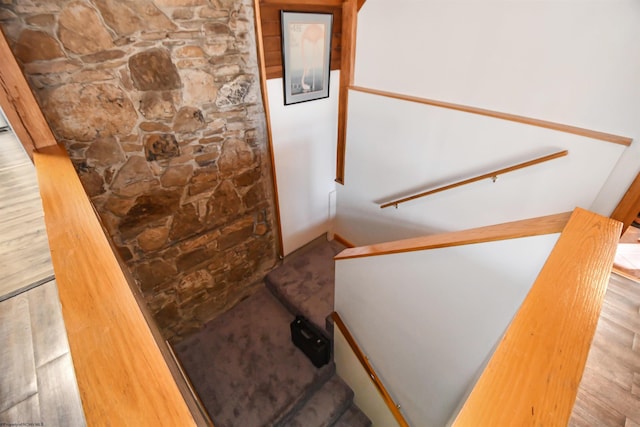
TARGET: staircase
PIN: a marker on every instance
(244, 366)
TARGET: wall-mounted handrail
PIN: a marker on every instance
(492, 175)
(393, 407)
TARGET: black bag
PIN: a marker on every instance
(311, 341)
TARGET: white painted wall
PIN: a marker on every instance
(304, 144)
(368, 398)
(396, 148)
(573, 62)
(429, 320)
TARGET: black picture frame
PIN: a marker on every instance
(306, 55)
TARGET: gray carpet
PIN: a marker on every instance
(245, 368)
(305, 282)
(248, 373)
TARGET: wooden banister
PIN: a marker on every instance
(534, 374)
(122, 375)
(510, 230)
(602, 136)
(492, 175)
(388, 400)
(19, 104)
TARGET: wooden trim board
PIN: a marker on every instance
(629, 206)
(602, 136)
(388, 400)
(510, 230)
(533, 376)
(19, 104)
(267, 112)
(122, 376)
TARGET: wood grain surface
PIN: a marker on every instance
(510, 230)
(122, 376)
(24, 248)
(19, 104)
(533, 376)
(493, 174)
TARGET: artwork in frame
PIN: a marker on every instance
(306, 55)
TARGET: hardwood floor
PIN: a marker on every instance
(609, 393)
(37, 379)
(627, 261)
(24, 249)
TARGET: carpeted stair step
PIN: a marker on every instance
(245, 368)
(353, 417)
(305, 281)
(324, 407)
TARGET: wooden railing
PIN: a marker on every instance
(534, 374)
(510, 230)
(124, 373)
(355, 348)
(491, 175)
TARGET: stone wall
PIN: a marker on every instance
(158, 104)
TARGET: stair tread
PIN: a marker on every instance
(324, 407)
(353, 417)
(305, 283)
(245, 368)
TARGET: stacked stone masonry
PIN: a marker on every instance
(158, 104)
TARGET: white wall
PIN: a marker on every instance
(367, 398)
(567, 61)
(396, 148)
(304, 144)
(429, 320)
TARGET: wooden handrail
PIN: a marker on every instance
(509, 230)
(602, 136)
(493, 175)
(122, 375)
(19, 104)
(533, 376)
(393, 407)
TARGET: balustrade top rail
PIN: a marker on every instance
(533, 376)
(493, 175)
(491, 233)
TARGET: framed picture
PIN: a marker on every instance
(306, 55)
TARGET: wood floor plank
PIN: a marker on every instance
(613, 395)
(11, 152)
(613, 333)
(49, 334)
(608, 391)
(615, 313)
(26, 412)
(591, 411)
(58, 393)
(608, 365)
(614, 353)
(24, 248)
(631, 423)
(635, 387)
(18, 378)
